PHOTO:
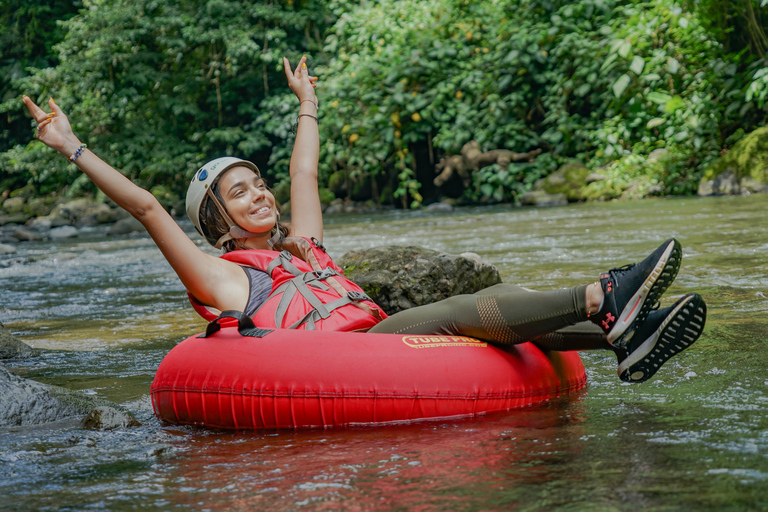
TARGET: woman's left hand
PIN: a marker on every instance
(301, 83)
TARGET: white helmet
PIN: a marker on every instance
(201, 187)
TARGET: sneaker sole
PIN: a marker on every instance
(638, 307)
(679, 330)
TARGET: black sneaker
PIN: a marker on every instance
(665, 333)
(631, 291)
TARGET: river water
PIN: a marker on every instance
(104, 311)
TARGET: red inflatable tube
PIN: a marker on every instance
(300, 379)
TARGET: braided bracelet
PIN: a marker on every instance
(77, 153)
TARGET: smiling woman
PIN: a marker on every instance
(227, 197)
(280, 277)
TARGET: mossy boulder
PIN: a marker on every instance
(401, 277)
(14, 205)
(568, 180)
(746, 164)
(83, 211)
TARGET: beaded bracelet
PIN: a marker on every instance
(77, 153)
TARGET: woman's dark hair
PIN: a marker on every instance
(214, 226)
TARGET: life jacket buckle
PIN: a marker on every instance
(286, 255)
(324, 273)
(355, 296)
(318, 244)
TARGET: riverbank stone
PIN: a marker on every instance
(14, 205)
(17, 218)
(126, 226)
(63, 232)
(402, 277)
(108, 418)
(25, 235)
(6, 249)
(83, 212)
(743, 170)
(11, 347)
(568, 180)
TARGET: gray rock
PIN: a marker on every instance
(46, 223)
(25, 235)
(14, 204)
(83, 212)
(749, 185)
(541, 198)
(334, 208)
(724, 184)
(439, 207)
(6, 249)
(18, 218)
(11, 347)
(126, 226)
(27, 402)
(63, 232)
(401, 277)
(108, 418)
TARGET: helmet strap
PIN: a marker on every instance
(235, 231)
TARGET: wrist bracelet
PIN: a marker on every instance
(77, 153)
(296, 124)
(317, 106)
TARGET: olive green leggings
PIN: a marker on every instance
(506, 314)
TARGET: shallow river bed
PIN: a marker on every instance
(105, 311)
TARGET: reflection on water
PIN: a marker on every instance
(106, 311)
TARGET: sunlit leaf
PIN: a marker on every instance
(620, 85)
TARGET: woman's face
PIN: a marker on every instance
(250, 204)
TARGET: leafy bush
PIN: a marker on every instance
(157, 88)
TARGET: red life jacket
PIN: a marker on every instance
(309, 290)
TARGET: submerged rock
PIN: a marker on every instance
(11, 347)
(27, 402)
(401, 277)
(108, 418)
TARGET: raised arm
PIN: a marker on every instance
(306, 214)
(205, 276)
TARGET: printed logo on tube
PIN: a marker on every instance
(442, 341)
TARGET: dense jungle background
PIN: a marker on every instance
(158, 88)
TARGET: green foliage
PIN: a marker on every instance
(30, 31)
(157, 88)
(593, 80)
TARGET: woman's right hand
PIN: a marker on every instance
(53, 129)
